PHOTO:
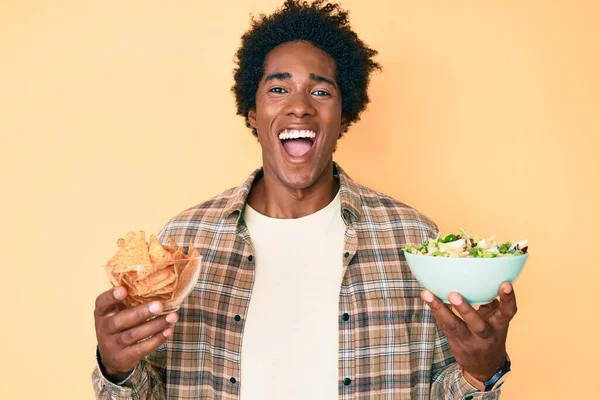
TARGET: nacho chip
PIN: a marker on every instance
(155, 282)
(164, 290)
(185, 275)
(163, 297)
(193, 252)
(151, 271)
(178, 255)
(134, 301)
(134, 252)
(159, 256)
(172, 247)
(114, 278)
(128, 279)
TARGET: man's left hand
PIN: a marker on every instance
(478, 340)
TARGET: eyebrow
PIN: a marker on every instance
(286, 75)
(279, 76)
(319, 78)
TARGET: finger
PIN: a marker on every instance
(487, 310)
(109, 300)
(448, 322)
(508, 302)
(131, 317)
(142, 349)
(474, 321)
(147, 329)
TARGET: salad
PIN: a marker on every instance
(467, 246)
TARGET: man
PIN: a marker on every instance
(306, 292)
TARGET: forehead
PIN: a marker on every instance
(301, 58)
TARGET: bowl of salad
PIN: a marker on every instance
(462, 263)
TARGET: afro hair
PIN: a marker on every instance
(326, 26)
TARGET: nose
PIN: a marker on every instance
(300, 105)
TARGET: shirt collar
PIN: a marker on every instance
(349, 195)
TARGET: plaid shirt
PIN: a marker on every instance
(389, 344)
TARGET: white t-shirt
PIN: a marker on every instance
(290, 341)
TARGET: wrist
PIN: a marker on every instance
(115, 376)
(109, 373)
(495, 381)
(488, 373)
(480, 377)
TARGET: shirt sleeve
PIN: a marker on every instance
(447, 379)
(146, 382)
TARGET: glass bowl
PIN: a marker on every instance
(170, 284)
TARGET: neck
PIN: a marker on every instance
(270, 197)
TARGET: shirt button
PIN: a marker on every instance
(250, 258)
(237, 318)
(232, 380)
(346, 255)
(347, 381)
(345, 316)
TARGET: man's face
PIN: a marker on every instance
(298, 113)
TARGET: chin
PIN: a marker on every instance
(296, 182)
(298, 179)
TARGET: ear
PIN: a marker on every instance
(252, 117)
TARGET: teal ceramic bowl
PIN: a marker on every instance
(476, 279)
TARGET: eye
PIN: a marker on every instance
(321, 93)
(277, 90)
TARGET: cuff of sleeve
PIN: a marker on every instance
(473, 393)
(118, 385)
(465, 385)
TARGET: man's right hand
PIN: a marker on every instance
(119, 330)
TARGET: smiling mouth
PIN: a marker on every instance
(297, 142)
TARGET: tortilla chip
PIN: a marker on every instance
(191, 248)
(185, 276)
(155, 282)
(164, 290)
(135, 301)
(114, 278)
(135, 252)
(128, 281)
(151, 271)
(159, 256)
(163, 297)
(178, 255)
(172, 247)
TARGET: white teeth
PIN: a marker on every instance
(296, 134)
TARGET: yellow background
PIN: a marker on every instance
(115, 116)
